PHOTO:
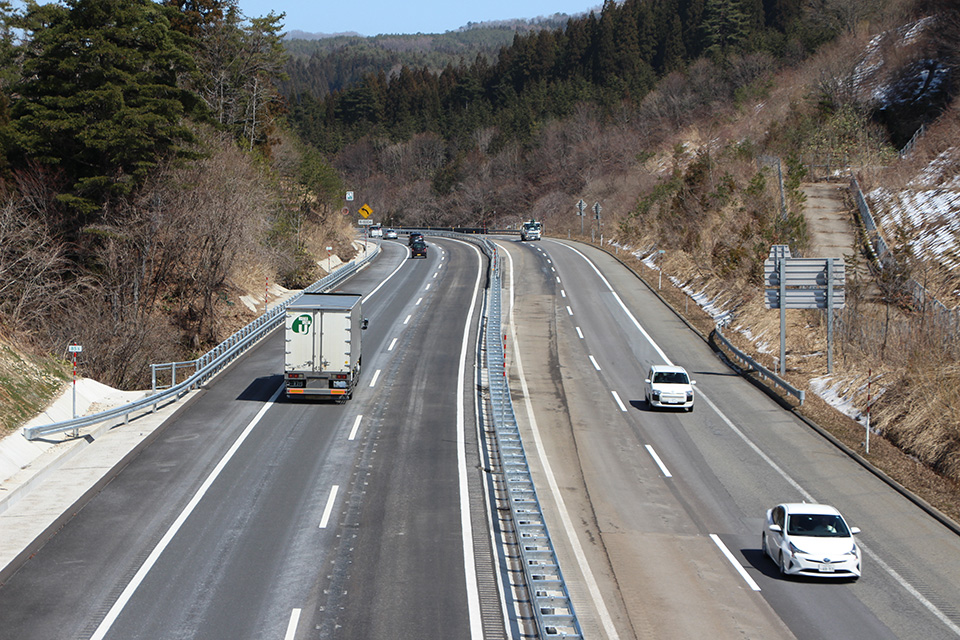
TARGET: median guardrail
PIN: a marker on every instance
(204, 367)
(549, 596)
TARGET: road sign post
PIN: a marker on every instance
(803, 283)
(74, 349)
(581, 206)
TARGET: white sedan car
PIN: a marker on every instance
(669, 386)
(390, 234)
(811, 540)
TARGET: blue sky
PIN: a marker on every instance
(374, 17)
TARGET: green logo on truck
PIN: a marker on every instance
(302, 323)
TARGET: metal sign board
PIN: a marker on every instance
(74, 348)
(804, 298)
(581, 205)
(365, 223)
(349, 196)
(803, 272)
(366, 211)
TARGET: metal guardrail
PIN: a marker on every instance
(206, 366)
(759, 368)
(552, 606)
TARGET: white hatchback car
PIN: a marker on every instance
(669, 386)
(811, 540)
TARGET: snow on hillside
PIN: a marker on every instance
(926, 214)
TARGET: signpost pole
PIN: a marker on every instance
(781, 267)
(829, 315)
(74, 349)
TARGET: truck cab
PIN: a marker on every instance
(531, 230)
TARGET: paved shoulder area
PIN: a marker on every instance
(46, 481)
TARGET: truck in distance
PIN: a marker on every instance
(322, 345)
(531, 230)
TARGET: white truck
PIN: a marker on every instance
(322, 345)
(531, 230)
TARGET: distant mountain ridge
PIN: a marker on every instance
(322, 63)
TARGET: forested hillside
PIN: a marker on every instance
(145, 178)
(321, 65)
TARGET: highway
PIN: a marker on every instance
(251, 516)
(645, 507)
(255, 517)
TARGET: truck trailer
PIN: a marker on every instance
(322, 345)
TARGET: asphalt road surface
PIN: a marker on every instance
(255, 517)
(645, 507)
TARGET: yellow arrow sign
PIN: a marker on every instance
(366, 211)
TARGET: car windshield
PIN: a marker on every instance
(823, 525)
(670, 377)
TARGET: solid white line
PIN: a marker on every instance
(292, 625)
(393, 273)
(580, 333)
(407, 319)
(325, 519)
(376, 374)
(466, 526)
(356, 427)
(393, 343)
(568, 527)
(656, 458)
(569, 310)
(736, 565)
(932, 608)
(616, 396)
(151, 560)
(594, 361)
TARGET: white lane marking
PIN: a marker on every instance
(427, 288)
(616, 297)
(407, 319)
(466, 525)
(569, 529)
(376, 374)
(569, 310)
(434, 275)
(419, 300)
(393, 343)
(616, 396)
(932, 608)
(563, 293)
(151, 560)
(439, 266)
(552, 269)
(736, 565)
(558, 279)
(594, 362)
(327, 510)
(378, 287)
(580, 333)
(356, 427)
(656, 458)
(292, 625)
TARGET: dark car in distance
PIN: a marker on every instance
(414, 236)
(418, 249)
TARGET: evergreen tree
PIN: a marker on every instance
(100, 97)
